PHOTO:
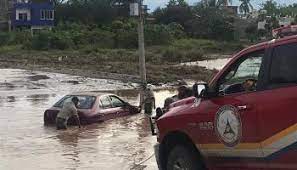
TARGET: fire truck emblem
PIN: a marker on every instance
(228, 126)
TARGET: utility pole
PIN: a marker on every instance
(138, 10)
(8, 9)
(141, 44)
(142, 69)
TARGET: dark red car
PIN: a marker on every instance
(93, 107)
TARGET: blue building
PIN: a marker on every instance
(33, 14)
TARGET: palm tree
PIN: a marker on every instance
(225, 2)
(245, 6)
(217, 3)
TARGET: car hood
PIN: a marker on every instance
(189, 100)
(179, 107)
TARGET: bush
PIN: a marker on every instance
(4, 38)
(127, 39)
(60, 41)
(41, 41)
(157, 35)
(163, 34)
(100, 38)
(21, 37)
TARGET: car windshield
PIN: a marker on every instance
(85, 102)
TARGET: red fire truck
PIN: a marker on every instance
(245, 118)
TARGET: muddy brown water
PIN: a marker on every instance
(216, 64)
(26, 144)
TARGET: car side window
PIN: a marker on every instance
(283, 69)
(116, 102)
(243, 75)
(105, 102)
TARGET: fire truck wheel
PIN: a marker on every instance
(182, 158)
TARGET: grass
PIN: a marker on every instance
(161, 60)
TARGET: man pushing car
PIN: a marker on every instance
(68, 110)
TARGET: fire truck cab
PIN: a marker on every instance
(245, 118)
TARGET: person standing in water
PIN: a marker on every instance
(69, 109)
(148, 100)
(148, 103)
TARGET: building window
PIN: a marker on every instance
(23, 16)
(47, 14)
(42, 14)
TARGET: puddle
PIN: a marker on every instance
(26, 144)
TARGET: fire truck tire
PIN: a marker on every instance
(182, 157)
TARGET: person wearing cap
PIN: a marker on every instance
(69, 110)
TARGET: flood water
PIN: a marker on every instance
(26, 144)
(215, 64)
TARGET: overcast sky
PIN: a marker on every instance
(153, 4)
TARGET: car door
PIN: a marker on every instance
(107, 111)
(233, 139)
(278, 109)
(119, 105)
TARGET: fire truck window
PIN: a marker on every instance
(283, 66)
(243, 75)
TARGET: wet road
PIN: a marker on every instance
(26, 144)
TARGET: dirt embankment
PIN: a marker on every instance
(158, 72)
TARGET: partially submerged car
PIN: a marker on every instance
(245, 118)
(93, 107)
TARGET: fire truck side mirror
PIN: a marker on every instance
(200, 89)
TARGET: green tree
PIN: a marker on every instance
(252, 31)
(290, 10)
(172, 3)
(245, 6)
(173, 13)
(211, 22)
(182, 3)
(216, 3)
(271, 8)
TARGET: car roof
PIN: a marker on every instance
(97, 94)
(273, 42)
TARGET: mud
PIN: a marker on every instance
(26, 144)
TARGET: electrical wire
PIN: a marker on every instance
(142, 162)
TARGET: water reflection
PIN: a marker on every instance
(70, 151)
(37, 99)
(11, 99)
